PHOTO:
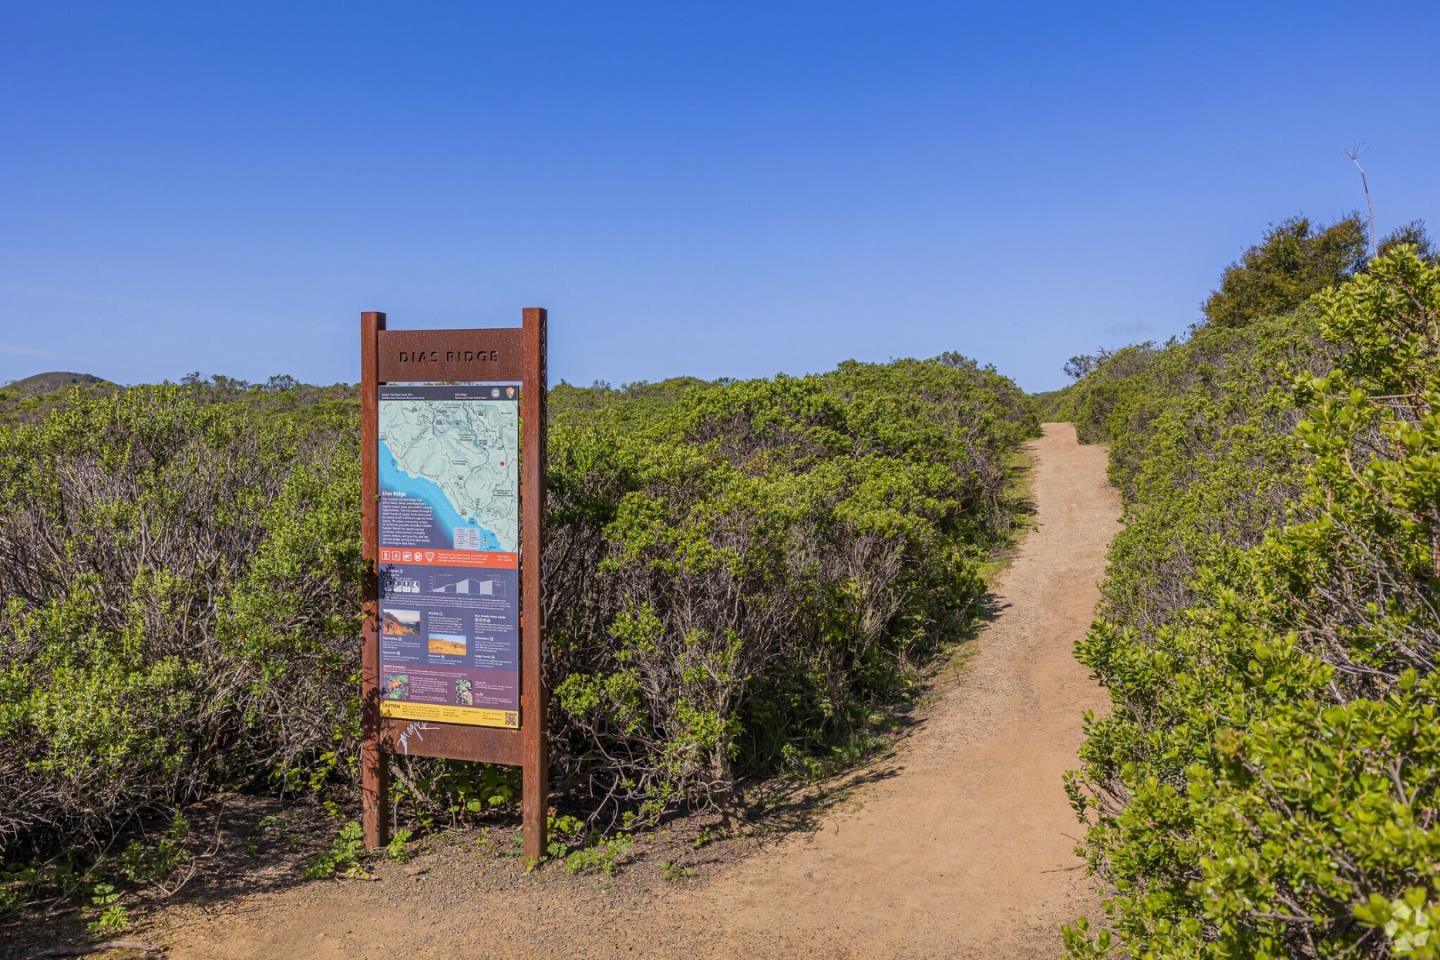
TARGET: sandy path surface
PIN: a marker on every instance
(960, 844)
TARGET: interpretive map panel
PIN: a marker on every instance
(449, 562)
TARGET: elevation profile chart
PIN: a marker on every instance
(449, 553)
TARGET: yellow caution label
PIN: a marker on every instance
(440, 713)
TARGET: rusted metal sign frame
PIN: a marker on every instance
(457, 356)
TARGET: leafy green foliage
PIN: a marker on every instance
(110, 915)
(1268, 780)
(152, 861)
(600, 855)
(1295, 261)
(35, 398)
(398, 849)
(1411, 923)
(739, 575)
(583, 850)
(345, 856)
(672, 872)
(761, 564)
(175, 577)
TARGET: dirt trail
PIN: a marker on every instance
(959, 845)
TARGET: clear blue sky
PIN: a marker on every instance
(719, 189)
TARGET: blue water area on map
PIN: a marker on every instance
(392, 478)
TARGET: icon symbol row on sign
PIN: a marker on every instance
(406, 556)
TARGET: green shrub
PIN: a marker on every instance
(1294, 262)
(759, 566)
(345, 856)
(110, 916)
(738, 575)
(177, 581)
(1266, 784)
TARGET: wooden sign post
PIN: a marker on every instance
(451, 657)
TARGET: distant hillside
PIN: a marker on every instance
(54, 380)
(34, 398)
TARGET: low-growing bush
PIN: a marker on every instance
(737, 574)
(177, 584)
(1267, 783)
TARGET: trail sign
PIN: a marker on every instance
(453, 500)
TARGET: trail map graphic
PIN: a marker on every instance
(464, 451)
